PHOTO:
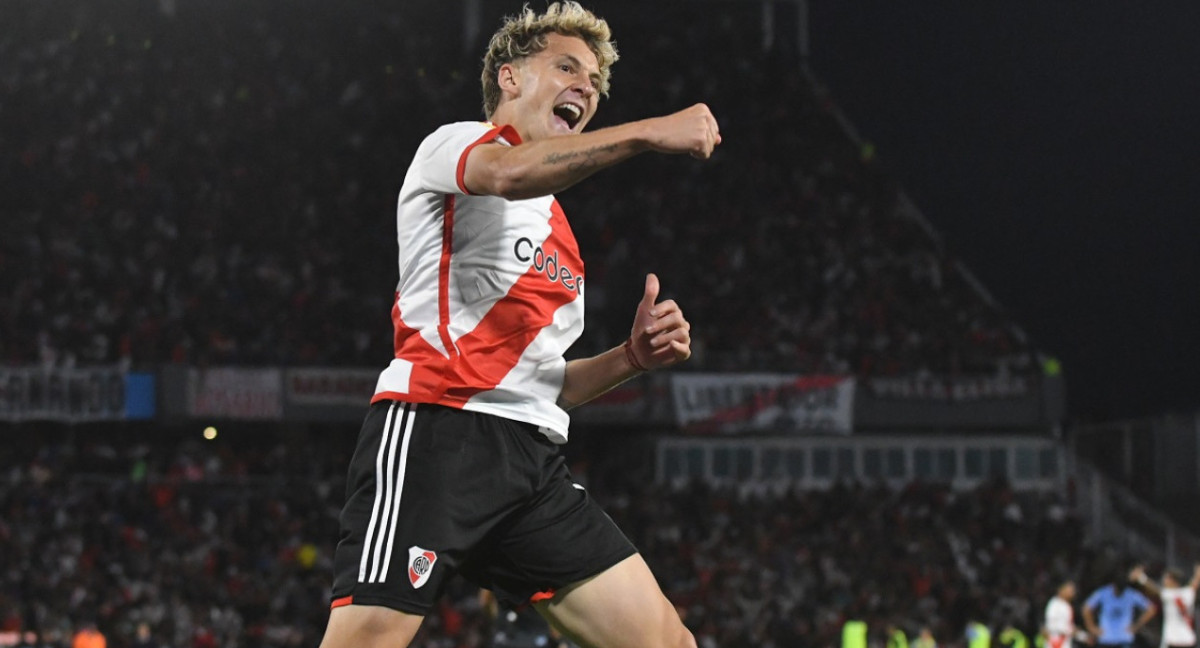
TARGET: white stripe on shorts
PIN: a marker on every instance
(389, 483)
(408, 426)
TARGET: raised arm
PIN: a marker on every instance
(552, 164)
(1195, 582)
(1138, 575)
(660, 337)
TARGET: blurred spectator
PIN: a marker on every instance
(144, 638)
(88, 637)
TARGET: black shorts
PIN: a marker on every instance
(434, 491)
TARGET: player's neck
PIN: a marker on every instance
(503, 116)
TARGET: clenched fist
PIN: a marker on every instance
(692, 130)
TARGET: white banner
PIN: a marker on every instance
(330, 387)
(70, 395)
(763, 402)
(235, 393)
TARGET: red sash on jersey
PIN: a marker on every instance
(1057, 641)
(1187, 616)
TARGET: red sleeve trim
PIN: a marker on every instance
(542, 596)
(344, 601)
(507, 132)
(510, 135)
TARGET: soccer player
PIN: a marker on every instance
(1117, 605)
(458, 466)
(1178, 604)
(1059, 625)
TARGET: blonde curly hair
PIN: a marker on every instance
(524, 35)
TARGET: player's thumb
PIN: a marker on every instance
(651, 295)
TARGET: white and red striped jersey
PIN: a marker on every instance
(490, 293)
(1059, 623)
(1178, 604)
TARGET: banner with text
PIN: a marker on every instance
(1018, 401)
(74, 395)
(960, 389)
(762, 402)
(316, 386)
(246, 394)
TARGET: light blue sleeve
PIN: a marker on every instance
(1141, 601)
(1095, 599)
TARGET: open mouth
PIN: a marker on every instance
(569, 113)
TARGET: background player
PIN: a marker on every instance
(1117, 605)
(1059, 625)
(1178, 605)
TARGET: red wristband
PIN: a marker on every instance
(632, 357)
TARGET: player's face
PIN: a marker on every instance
(1068, 591)
(557, 88)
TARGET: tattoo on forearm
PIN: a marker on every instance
(580, 160)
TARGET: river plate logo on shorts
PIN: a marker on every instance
(420, 565)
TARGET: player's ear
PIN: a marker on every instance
(509, 79)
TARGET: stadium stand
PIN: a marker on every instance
(212, 183)
(229, 543)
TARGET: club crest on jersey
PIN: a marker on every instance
(420, 565)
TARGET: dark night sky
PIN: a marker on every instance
(1055, 146)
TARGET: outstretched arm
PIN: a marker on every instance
(1138, 575)
(1195, 582)
(660, 337)
(549, 165)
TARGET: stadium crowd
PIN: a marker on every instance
(230, 544)
(213, 183)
